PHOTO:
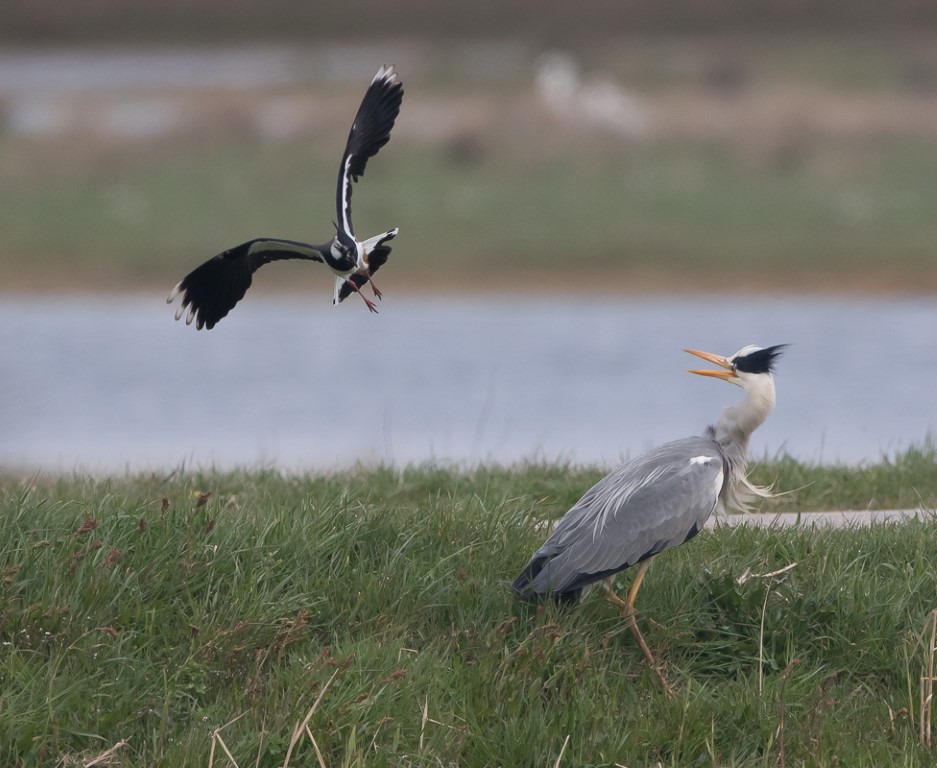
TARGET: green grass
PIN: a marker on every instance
(133, 609)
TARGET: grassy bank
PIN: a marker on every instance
(142, 613)
(671, 216)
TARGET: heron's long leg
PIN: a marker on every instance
(374, 288)
(611, 596)
(629, 614)
(636, 584)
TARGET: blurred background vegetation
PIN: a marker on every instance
(571, 147)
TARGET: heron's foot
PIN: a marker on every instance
(629, 614)
(374, 288)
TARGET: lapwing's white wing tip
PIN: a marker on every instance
(173, 293)
(386, 73)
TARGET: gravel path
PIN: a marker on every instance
(818, 519)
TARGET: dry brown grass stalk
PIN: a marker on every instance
(315, 746)
(216, 740)
(423, 722)
(764, 608)
(927, 685)
(107, 757)
(562, 752)
(302, 727)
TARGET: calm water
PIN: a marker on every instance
(107, 383)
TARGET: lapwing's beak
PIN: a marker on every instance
(727, 372)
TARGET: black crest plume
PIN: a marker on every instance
(761, 360)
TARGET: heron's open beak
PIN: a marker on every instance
(727, 373)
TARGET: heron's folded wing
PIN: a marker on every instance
(656, 501)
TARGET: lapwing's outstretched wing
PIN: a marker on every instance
(211, 290)
(369, 132)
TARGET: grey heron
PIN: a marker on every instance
(658, 500)
(212, 290)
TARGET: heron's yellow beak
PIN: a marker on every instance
(727, 373)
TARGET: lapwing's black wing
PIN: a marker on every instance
(210, 291)
(369, 132)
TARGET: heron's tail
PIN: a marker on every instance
(525, 589)
(522, 587)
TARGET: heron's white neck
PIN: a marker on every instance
(738, 421)
(732, 432)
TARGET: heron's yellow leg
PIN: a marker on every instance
(629, 614)
(627, 606)
(610, 594)
(636, 584)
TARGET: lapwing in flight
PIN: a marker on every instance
(212, 290)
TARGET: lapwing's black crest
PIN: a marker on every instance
(213, 289)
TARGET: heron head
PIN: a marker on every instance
(748, 363)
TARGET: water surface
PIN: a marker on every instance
(112, 383)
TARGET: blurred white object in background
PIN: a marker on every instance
(598, 101)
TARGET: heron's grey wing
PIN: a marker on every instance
(212, 289)
(653, 502)
(369, 132)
